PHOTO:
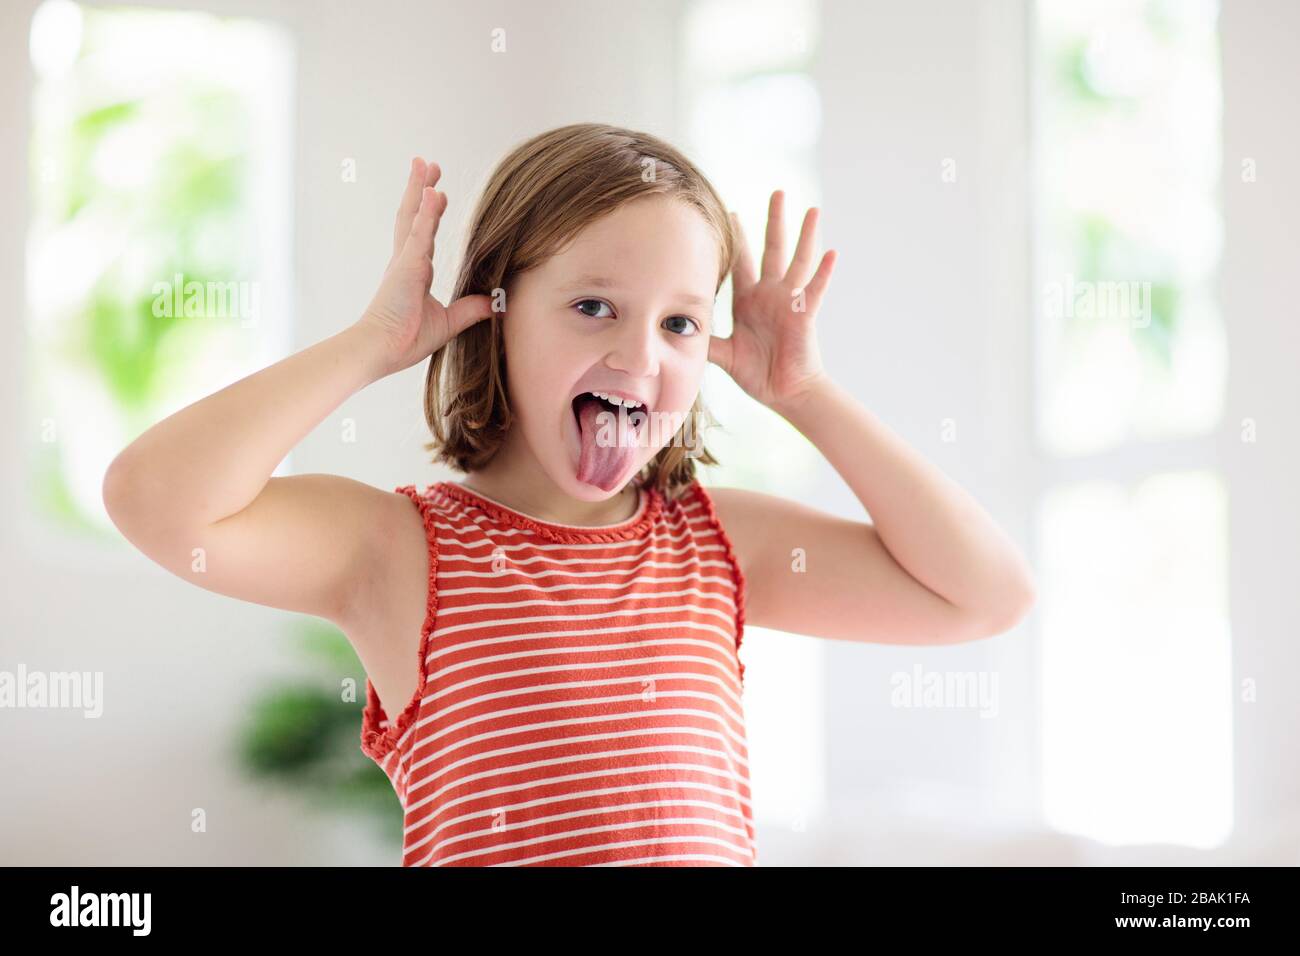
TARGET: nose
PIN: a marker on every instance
(635, 351)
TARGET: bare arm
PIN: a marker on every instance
(933, 567)
(194, 492)
(933, 564)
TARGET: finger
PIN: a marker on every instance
(774, 242)
(468, 310)
(720, 352)
(433, 172)
(409, 205)
(422, 174)
(816, 287)
(419, 240)
(743, 275)
(801, 264)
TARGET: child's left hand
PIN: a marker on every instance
(772, 350)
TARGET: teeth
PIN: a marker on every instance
(615, 400)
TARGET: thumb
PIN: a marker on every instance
(468, 310)
(720, 352)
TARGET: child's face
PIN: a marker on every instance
(643, 332)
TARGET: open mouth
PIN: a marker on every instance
(607, 435)
(637, 415)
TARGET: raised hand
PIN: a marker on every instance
(413, 323)
(772, 351)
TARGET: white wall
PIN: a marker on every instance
(1261, 265)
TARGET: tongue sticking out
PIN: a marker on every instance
(608, 443)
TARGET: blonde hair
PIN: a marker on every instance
(539, 196)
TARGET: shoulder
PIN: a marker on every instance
(706, 505)
(737, 509)
(408, 508)
(763, 527)
(737, 513)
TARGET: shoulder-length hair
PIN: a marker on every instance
(539, 197)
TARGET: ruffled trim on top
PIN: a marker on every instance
(376, 741)
(635, 527)
(737, 575)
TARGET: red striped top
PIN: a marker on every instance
(579, 701)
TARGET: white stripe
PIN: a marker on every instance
(600, 809)
(626, 843)
(651, 548)
(552, 668)
(599, 616)
(727, 785)
(728, 642)
(728, 652)
(641, 562)
(571, 796)
(734, 777)
(496, 553)
(532, 575)
(729, 687)
(449, 592)
(685, 531)
(676, 857)
(444, 554)
(742, 830)
(731, 743)
(413, 779)
(605, 828)
(724, 686)
(728, 792)
(604, 599)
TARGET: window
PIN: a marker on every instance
(1131, 363)
(158, 248)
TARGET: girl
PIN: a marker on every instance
(551, 643)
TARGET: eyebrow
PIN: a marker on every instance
(587, 282)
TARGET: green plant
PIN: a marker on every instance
(304, 735)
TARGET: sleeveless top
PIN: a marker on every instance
(579, 699)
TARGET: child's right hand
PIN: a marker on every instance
(411, 322)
